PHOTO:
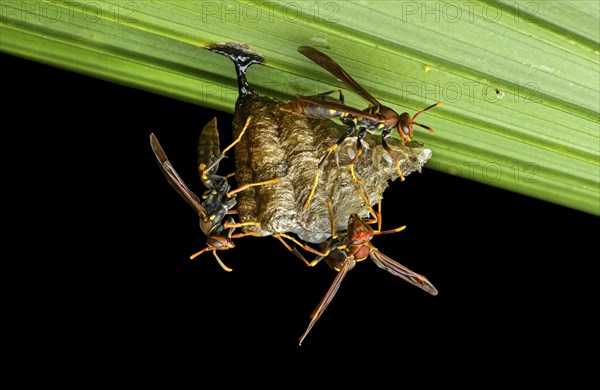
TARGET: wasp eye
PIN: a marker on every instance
(405, 129)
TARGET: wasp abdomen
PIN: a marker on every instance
(312, 109)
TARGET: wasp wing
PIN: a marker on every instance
(328, 297)
(209, 152)
(174, 179)
(398, 269)
(332, 67)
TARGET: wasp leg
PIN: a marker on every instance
(379, 215)
(239, 235)
(297, 253)
(228, 224)
(218, 159)
(334, 233)
(306, 247)
(359, 151)
(333, 147)
(246, 186)
(239, 136)
(393, 154)
(379, 218)
(368, 204)
(320, 256)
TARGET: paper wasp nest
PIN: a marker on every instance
(279, 144)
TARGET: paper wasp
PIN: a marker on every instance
(345, 248)
(218, 200)
(374, 118)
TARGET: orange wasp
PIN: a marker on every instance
(346, 248)
(374, 118)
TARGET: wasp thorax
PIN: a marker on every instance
(389, 116)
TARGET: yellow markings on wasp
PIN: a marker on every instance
(332, 148)
(312, 191)
(332, 112)
(353, 174)
(399, 170)
(212, 217)
(202, 169)
(363, 195)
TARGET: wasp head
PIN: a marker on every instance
(219, 242)
(406, 122)
(405, 128)
(358, 231)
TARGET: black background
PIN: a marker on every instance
(105, 242)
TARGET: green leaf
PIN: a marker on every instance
(520, 79)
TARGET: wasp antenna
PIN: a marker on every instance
(425, 127)
(398, 229)
(426, 109)
(192, 257)
(226, 268)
